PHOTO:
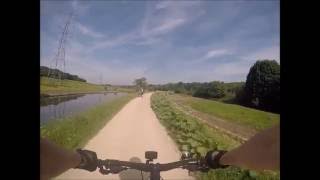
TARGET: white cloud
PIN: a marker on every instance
(216, 52)
(153, 26)
(147, 41)
(163, 5)
(167, 16)
(74, 4)
(206, 53)
(116, 41)
(79, 8)
(167, 25)
(88, 31)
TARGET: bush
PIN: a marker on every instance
(262, 88)
(213, 89)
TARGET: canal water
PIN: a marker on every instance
(57, 107)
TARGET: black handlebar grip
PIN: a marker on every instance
(89, 160)
(213, 158)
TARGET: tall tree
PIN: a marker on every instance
(216, 89)
(140, 83)
(263, 85)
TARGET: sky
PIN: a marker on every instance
(116, 42)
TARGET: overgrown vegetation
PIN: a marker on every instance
(114, 88)
(249, 117)
(191, 135)
(209, 90)
(261, 89)
(57, 74)
(73, 132)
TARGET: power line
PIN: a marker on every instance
(59, 59)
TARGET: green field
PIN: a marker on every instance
(73, 132)
(191, 135)
(249, 117)
(50, 86)
(55, 86)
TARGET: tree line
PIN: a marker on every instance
(214, 89)
(57, 74)
(261, 89)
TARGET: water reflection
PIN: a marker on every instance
(55, 100)
(53, 108)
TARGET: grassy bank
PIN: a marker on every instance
(54, 86)
(249, 117)
(73, 132)
(191, 135)
(50, 86)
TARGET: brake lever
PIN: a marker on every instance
(197, 168)
(113, 170)
(116, 170)
(105, 169)
(199, 165)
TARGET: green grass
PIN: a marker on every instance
(54, 86)
(127, 90)
(73, 132)
(191, 135)
(183, 127)
(234, 113)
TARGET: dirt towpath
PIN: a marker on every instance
(132, 131)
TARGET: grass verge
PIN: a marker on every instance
(55, 86)
(249, 117)
(73, 132)
(191, 135)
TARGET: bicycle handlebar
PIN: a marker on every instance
(211, 160)
(115, 166)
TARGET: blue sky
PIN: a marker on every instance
(164, 41)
